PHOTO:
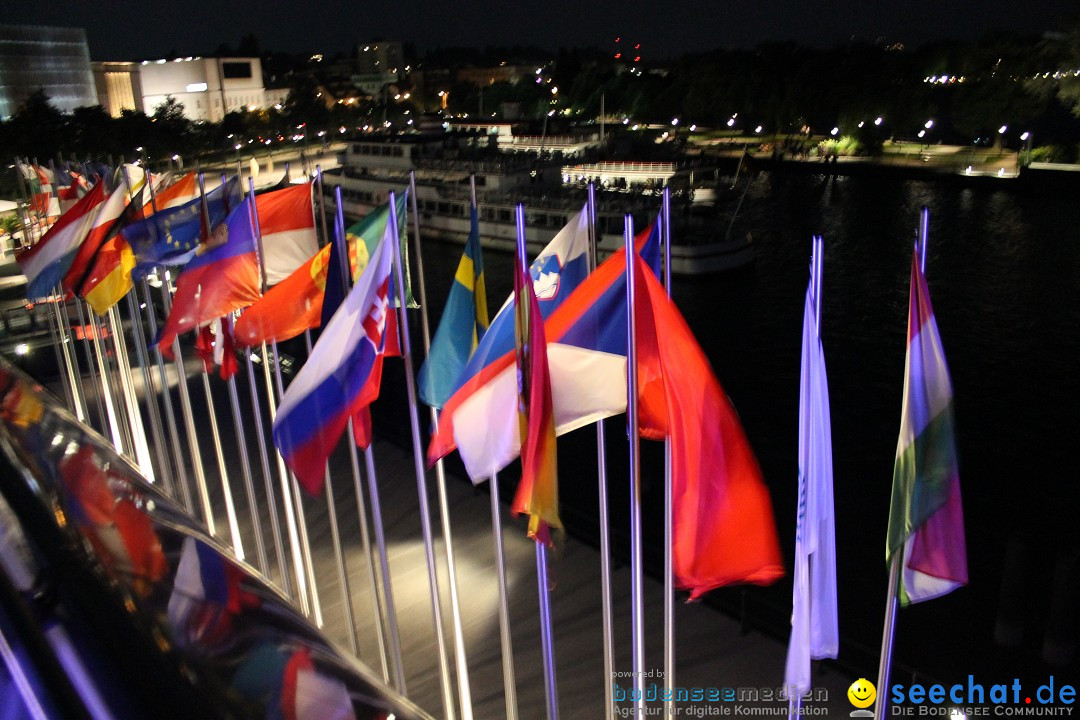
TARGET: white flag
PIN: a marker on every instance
(814, 631)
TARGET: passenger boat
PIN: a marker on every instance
(372, 167)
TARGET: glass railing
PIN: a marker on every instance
(114, 603)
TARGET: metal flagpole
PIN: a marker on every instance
(150, 396)
(294, 508)
(245, 463)
(460, 658)
(166, 393)
(418, 460)
(397, 668)
(669, 538)
(361, 508)
(509, 683)
(551, 694)
(223, 473)
(602, 490)
(268, 483)
(636, 589)
(103, 395)
(335, 540)
(69, 373)
(127, 385)
(895, 566)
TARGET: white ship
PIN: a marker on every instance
(372, 167)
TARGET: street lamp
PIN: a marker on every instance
(877, 121)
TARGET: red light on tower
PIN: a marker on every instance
(618, 55)
(637, 58)
(638, 46)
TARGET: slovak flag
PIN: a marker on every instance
(341, 376)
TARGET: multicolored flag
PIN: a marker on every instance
(307, 694)
(179, 193)
(926, 518)
(222, 277)
(814, 631)
(290, 307)
(463, 324)
(341, 377)
(538, 490)
(46, 262)
(724, 527)
(109, 278)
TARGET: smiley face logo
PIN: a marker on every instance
(862, 693)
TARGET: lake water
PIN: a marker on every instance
(1003, 268)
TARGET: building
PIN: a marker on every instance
(208, 88)
(481, 77)
(53, 59)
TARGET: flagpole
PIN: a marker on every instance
(384, 608)
(669, 534)
(64, 343)
(335, 540)
(460, 658)
(290, 491)
(509, 682)
(150, 396)
(636, 581)
(103, 395)
(127, 385)
(166, 393)
(605, 531)
(397, 667)
(245, 462)
(421, 484)
(551, 694)
(268, 481)
(892, 600)
(223, 472)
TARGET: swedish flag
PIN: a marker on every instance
(464, 321)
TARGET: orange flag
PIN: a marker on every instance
(289, 308)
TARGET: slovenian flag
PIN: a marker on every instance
(46, 262)
(341, 376)
(222, 277)
(463, 324)
(926, 520)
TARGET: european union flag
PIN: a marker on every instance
(171, 237)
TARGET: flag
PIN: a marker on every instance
(814, 632)
(109, 278)
(489, 387)
(723, 525)
(116, 526)
(287, 228)
(307, 694)
(341, 376)
(207, 594)
(46, 262)
(222, 277)
(171, 237)
(108, 221)
(290, 307)
(926, 519)
(214, 345)
(179, 193)
(538, 491)
(556, 272)
(464, 321)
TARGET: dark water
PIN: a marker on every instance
(1003, 265)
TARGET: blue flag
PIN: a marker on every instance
(171, 237)
(464, 321)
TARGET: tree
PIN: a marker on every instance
(36, 128)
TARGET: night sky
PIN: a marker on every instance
(145, 29)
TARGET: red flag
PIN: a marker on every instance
(724, 531)
(290, 307)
